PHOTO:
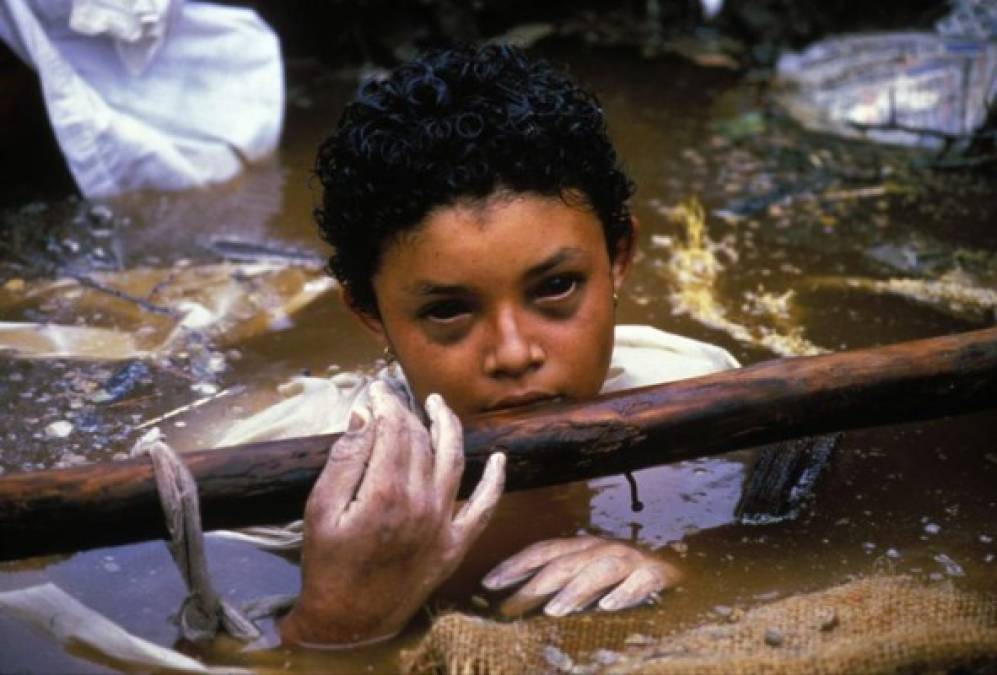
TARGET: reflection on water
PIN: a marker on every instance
(789, 207)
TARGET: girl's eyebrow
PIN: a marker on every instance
(562, 255)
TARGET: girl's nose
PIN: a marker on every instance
(512, 352)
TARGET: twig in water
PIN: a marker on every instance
(190, 406)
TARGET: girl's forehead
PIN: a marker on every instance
(501, 238)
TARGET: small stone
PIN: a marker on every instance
(773, 637)
(59, 429)
(932, 528)
(951, 567)
(868, 547)
(827, 621)
(558, 659)
(216, 362)
(723, 611)
(638, 640)
(892, 553)
(986, 539)
(101, 214)
(605, 657)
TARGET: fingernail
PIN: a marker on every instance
(432, 402)
(492, 581)
(556, 608)
(609, 604)
(357, 421)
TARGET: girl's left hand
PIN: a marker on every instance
(576, 571)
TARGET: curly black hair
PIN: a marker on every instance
(454, 125)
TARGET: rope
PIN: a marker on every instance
(202, 612)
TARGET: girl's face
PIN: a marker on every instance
(501, 303)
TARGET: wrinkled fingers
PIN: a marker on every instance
(448, 449)
(386, 481)
(530, 559)
(472, 518)
(337, 485)
(591, 582)
(636, 588)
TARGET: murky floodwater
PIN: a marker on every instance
(799, 226)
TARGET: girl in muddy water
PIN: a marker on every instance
(481, 233)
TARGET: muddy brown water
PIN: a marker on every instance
(916, 498)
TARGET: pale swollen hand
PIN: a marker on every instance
(380, 531)
(578, 570)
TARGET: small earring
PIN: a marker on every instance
(616, 299)
(388, 354)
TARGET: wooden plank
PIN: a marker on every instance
(115, 503)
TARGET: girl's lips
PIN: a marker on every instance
(522, 400)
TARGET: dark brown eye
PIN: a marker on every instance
(445, 311)
(558, 287)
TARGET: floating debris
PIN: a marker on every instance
(153, 312)
(238, 250)
(950, 294)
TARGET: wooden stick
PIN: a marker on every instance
(116, 503)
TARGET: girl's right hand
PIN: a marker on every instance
(380, 532)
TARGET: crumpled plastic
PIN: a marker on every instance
(918, 89)
(151, 94)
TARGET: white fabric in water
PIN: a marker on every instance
(151, 93)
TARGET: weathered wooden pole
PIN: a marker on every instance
(112, 503)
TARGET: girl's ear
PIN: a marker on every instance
(369, 321)
(623, 255)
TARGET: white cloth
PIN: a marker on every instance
(151, 94)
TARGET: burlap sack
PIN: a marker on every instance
(881, 624)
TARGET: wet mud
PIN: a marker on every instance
(801, 235)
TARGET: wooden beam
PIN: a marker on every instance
(111, 503)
